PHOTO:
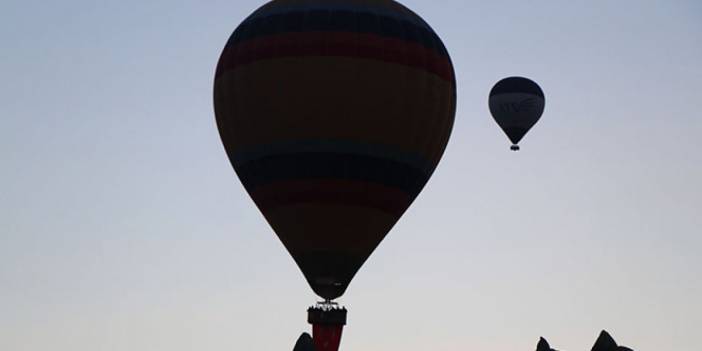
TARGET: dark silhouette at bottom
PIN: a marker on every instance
(604, 342)
(304, 343)
(544, 346)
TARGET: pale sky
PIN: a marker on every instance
(124, 228)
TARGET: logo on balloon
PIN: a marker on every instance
(525, 105)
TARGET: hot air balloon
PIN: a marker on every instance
(516, 103)
(334, 114)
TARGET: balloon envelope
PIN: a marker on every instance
(516, 103)
(334, 114)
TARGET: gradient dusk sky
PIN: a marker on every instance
(124, 228)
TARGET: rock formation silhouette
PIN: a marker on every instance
(605, 342)
(544, 346)
(304, 343)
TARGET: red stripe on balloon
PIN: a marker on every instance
(345, 44)
(338, 192)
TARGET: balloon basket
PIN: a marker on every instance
(514, 148)
(328, 320)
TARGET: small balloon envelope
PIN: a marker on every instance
(516, 104)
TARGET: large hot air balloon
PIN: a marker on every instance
(516, 103)
(334, 114)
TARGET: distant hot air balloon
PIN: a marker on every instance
(516, 103)
(334, 114)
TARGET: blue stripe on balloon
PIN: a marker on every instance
(336, 166)
(394, 154)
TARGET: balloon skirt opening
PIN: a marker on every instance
(327, 326)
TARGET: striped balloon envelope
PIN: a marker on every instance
(334, 114)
